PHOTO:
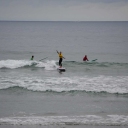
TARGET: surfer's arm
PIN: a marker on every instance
(57, 51)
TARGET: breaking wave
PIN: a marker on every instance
(109, 120)
(13, 64)
(97, 84)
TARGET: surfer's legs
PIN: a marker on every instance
(60, 62)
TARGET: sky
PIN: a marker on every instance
(64, 10)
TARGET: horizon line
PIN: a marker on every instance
(63, 21)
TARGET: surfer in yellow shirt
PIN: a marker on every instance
(60, 58)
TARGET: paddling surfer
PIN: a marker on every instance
(60, 58)
(32, 57)
(85, 58)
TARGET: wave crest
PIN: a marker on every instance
(99, 84)
(14, 64)
(109, 120)
(51, 64)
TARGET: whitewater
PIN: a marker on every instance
(92, 94)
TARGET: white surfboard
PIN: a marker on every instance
(62, 69)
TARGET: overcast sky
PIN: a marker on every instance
(64, 10)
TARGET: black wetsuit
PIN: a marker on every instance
(60, 62)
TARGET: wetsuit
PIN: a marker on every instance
(85, 58)
(61, 59)
(32, 58)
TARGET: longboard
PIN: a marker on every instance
(61, 69)
(94, 60)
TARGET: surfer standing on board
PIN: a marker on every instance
(60, 58)
(85, 58)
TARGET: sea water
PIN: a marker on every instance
(89, 94)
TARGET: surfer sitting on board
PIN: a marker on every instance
(32, 58)
(60, 58)
(85, 58)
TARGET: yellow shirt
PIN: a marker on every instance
(60, 55)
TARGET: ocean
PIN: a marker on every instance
(92, 94)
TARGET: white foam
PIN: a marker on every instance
(48, 64)
(110, 84)
(109, 120)
(13, 64)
